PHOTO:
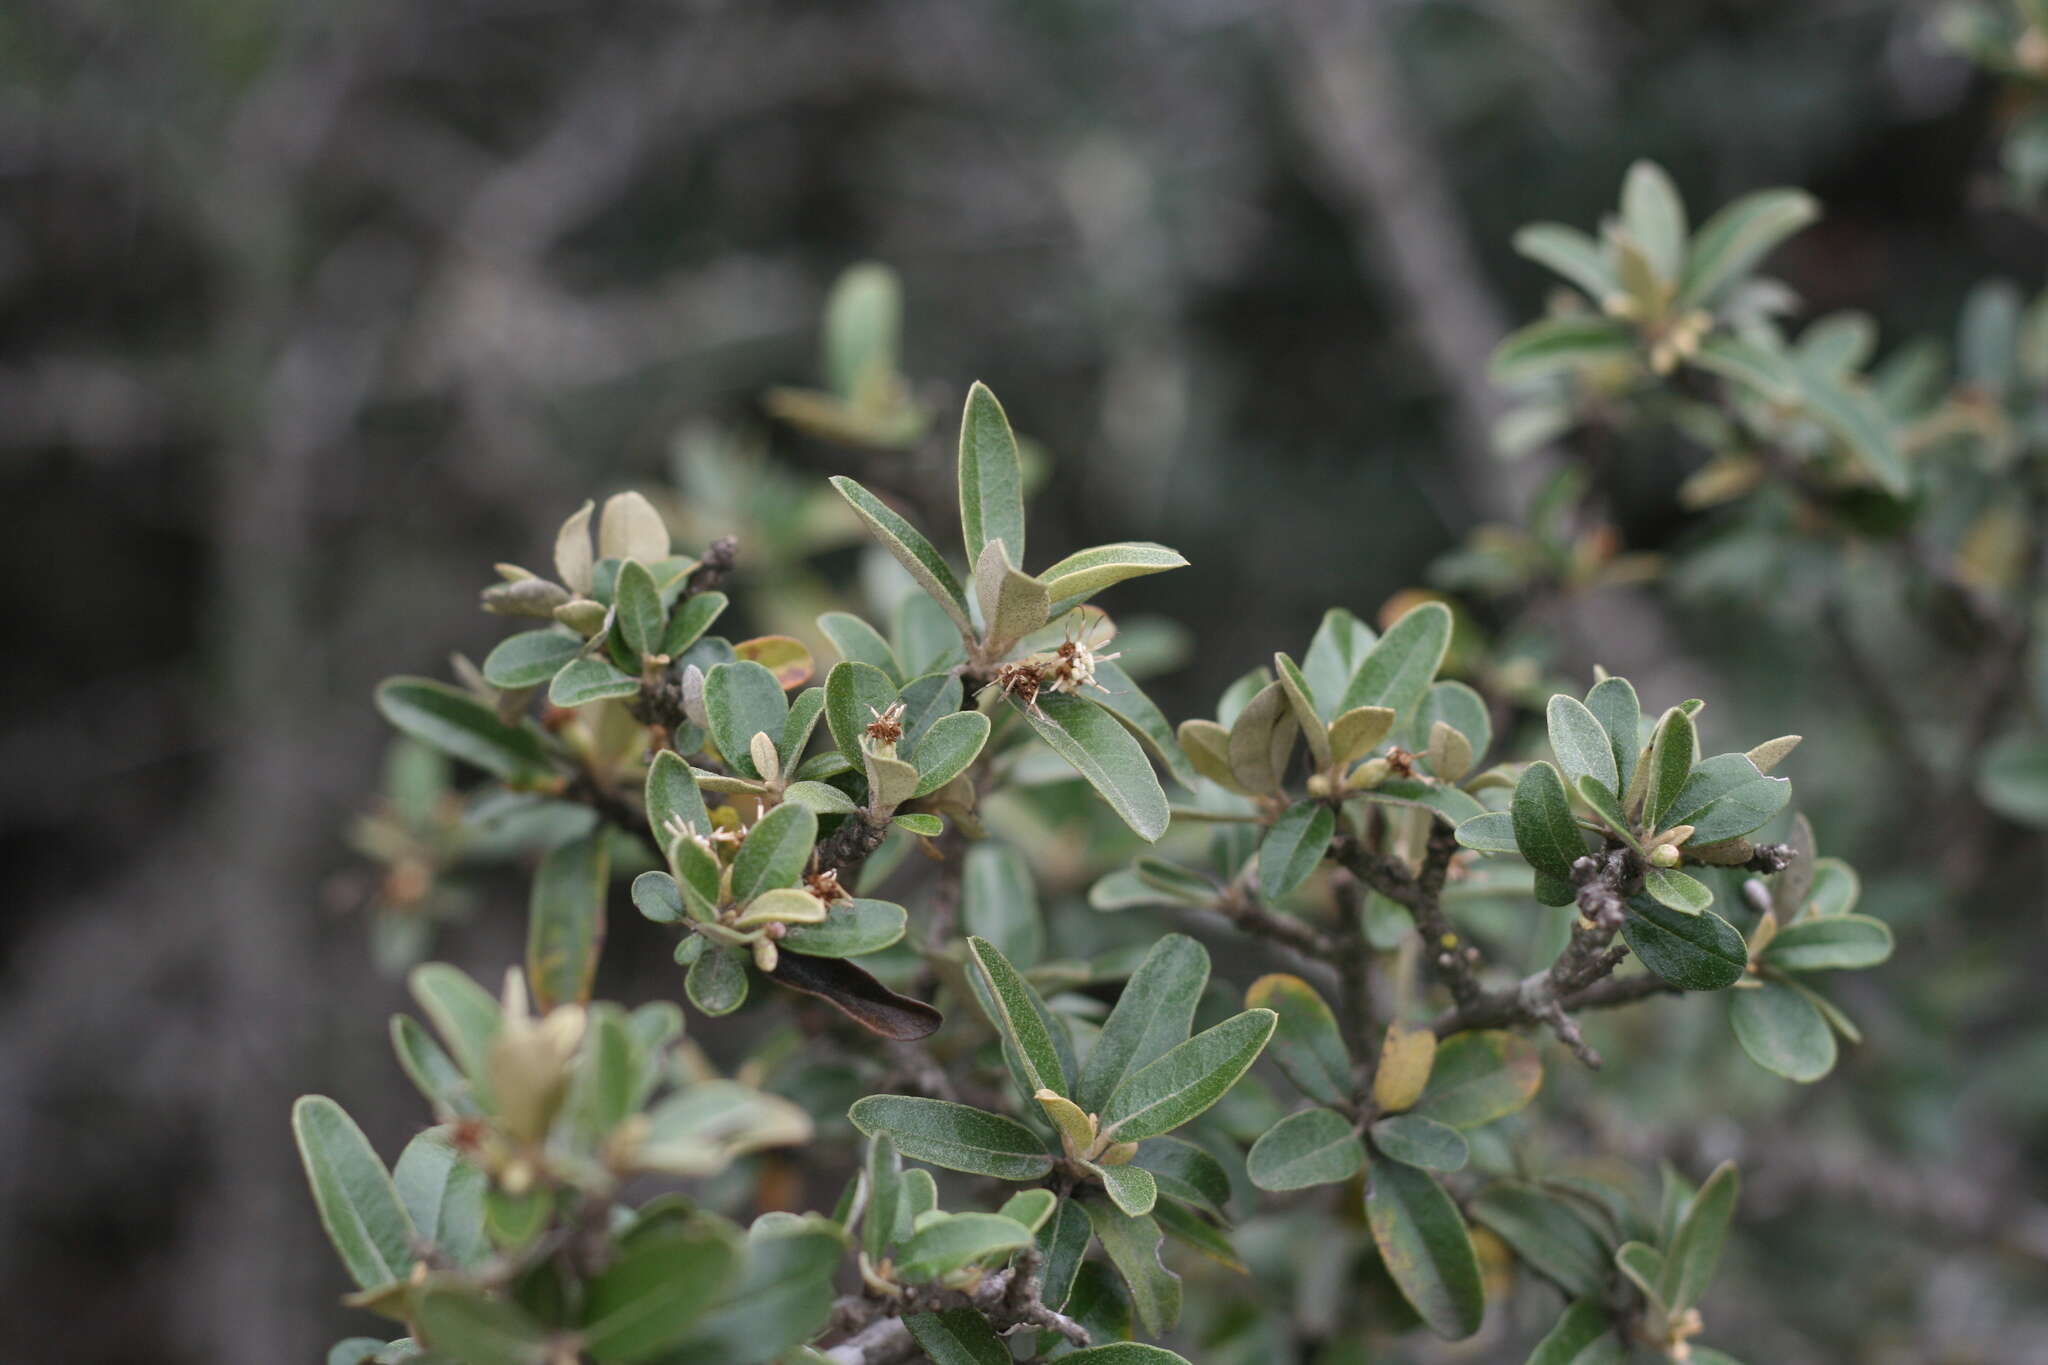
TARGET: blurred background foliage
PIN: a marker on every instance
(307, 312)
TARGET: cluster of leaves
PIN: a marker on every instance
(1935, 457)
(1350, 812)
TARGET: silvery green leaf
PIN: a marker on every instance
(1081, 575)
(530, 658)
(359, 1206)
(859, 642)
(1398, 670)
(910, 548)
(1293, 847)
(743, 699)
(1164, 1094)
(1312, 1147)
(584, 681)
(691, 618)
(954, 1136)
(991, 479)
(1103, 751)
(1151, 1016)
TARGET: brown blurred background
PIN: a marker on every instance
(309, 312)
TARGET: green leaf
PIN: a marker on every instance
(1306, 1041)
(1478, 1077)
(1581, 744)
(859, 642)
(1644, 1266)
(1130, 1188)
(1185, 1172)
(1655, 217)
(783, 1298)
(1459, 707)
(565, 922)
(1262, 740)
(2014, 779)
(1556, 345)
(432, 1070)
(1294, 847)
(1700, 952)
(743, 699)
(1022, 1018)
(1425, 1247)
(1766, 371)
(1313, 1147)
(774, 853)
(1030, 1207)
(918, 823)
(1583, 1336)
(1782, 1031)
(1493, 832)
(955, 1136)
(1607, 808)
(1834, 943)
(463, 1325)
(693, 616)
(1103, 751)
(586, 681)
(884, 1171)
(1013, 604)
(359, 1206)
(672, 795)
(1125, 700)
(1729, 244)
(642, 620)
(1835, 889)
(947, 748)
(1398, 670)
(456, 723)
(957, 1240)
(717, 982)
(991, 480)
(1081, 575)
(1415, 1140)
(530, 658)
(851, 928)
(910, 548)
(1546, 833)
(1690, 1260)
(958, 1336)
(999, 902)
(1125, 1353)
(855, 694)
(1572, 254)
(1452, 806)
(1545, 1231)
(1677, 891)
(1670, 764)
(465, 1015)
(1613, 703)
(659, 1285)
(819, 798)
(1132, 1245)
(1726, 797)
(1340, 645)
(1303, 701)
(1166, 1093)
(1064, 1241)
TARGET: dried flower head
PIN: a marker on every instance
(887, 725)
